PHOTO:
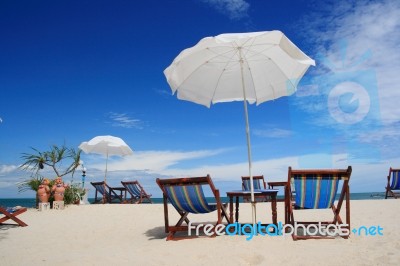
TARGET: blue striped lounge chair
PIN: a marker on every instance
(11, 214)
(258, 183)
(138, 194)
(393, 183)
(186, 196)
(317, 189)
(108, 195)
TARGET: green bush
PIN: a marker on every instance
(73, 194)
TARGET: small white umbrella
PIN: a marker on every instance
(249, 67)
(108, 146)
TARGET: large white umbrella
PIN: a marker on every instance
(251, 67)
(108, 146)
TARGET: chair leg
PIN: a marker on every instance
(183, 218)
(12, 216)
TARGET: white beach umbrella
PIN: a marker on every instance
(108, 146)
(251, 67)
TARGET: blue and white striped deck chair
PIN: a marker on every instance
(186, 196)
(394, 175)
(108, 195)
(258, 183)
(138, 195)
(317, 189)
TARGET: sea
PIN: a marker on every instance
(30, 202)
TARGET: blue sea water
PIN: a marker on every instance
(30, 202)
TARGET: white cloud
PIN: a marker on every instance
(123, 120)
(356, 41)
(152, 161)
(272, 133)
(146, 166)
(5, 169)
(371, 31)
(234, 9)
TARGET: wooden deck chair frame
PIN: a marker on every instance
(109, 196)
(138, 194)
(261, 184)
(12, 215)
(340, 174)
(393, 183)
(188, 181)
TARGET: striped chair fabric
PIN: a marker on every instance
(107, 193)
(315, 191)
(395, 185)
(256, 184)
(101, 190)
(189, 198)
(133, 188)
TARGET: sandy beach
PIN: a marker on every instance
(134, 235)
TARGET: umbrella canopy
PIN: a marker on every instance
(106, 145)
(251, 67)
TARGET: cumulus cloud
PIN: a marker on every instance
(234, 9)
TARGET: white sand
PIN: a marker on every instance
(134, 235)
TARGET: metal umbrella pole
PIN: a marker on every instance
(105, 178)
(253, 203)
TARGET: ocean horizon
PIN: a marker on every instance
(30, 202)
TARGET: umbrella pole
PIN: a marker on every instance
(105, 178)
(253, 203)
(105, 174)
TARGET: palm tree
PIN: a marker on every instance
(34, 162)
(53, 158)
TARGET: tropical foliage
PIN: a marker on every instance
(54, 159)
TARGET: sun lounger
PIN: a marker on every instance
(138, 195)
(11, 214)
(258, 183)
(394, 184)
(316, 189)
(108, 194)
(186, 195)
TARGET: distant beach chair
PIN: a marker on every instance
(258, 183)
(187, 196)
(394, 174)
(11, 214)
(108, 194)
(138, 195)
(316, 189)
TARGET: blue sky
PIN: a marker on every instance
(73, 70)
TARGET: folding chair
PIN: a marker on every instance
(11, 214)
(258, 183)
(187, 196)
(107, 193)
(394, 185)
(316, 189)
(138, 195)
